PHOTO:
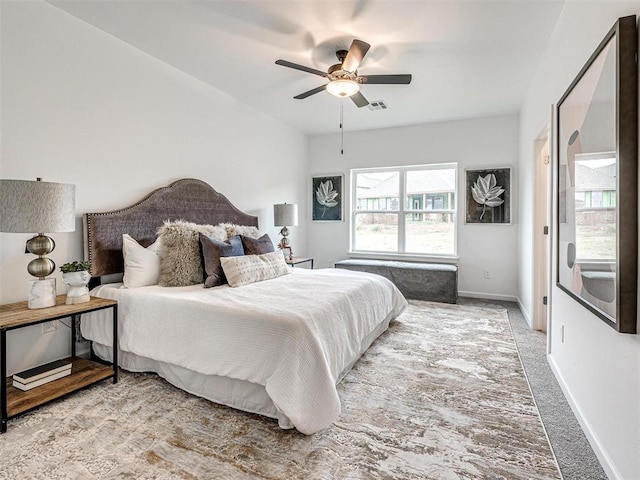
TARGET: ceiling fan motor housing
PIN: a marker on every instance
(336, 72)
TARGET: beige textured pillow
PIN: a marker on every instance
(245, 230)
(253, 268)
(180, 258)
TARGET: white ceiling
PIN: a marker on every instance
(468, 58)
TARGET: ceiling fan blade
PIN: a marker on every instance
(295, 66)
(356, 53)
(400, 79)
(310, 92)
(359, 100)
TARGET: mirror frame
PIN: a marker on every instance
(624, 37)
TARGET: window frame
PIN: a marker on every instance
(402, 213)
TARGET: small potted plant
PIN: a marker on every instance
(76, 275)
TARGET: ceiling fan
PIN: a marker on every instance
(343, 77)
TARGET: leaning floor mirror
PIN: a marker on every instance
(597, 225)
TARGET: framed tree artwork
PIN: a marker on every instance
(488, 196)
(327, 198)
(597, 181)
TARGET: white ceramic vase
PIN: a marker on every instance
(78, 291)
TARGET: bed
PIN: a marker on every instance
(277, 348)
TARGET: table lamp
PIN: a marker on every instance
(37, 206)
(285, 214)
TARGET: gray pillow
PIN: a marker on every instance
(212, 250)
(257, 246)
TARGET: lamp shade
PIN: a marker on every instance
(37, 207)
(285, 215)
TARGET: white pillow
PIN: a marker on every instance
(141, 265)
(248, 269)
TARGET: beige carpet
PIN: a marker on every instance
(441, 395)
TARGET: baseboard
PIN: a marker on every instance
(488, 296)
(607, 465)
(524, 312)
(533, 397)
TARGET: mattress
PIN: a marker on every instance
(277, 348)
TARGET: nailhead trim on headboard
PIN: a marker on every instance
(188, 199)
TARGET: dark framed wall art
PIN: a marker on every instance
(488, 195)
(327, 192)
(597, 191)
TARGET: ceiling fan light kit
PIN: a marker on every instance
(343, 87)
(343, 77)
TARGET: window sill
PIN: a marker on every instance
(448, 259)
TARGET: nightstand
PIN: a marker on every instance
(13, 401)
(298, 260)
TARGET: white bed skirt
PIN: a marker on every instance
(239, 394)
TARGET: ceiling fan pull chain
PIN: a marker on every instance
(341, 127)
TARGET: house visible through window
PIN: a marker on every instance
(595, 201)
(404, 210)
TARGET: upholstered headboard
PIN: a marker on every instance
(188, 199)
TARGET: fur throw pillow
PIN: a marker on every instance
(180, 258)
(245, 230)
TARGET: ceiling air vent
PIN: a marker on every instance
(378, 105)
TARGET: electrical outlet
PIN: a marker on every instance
(487, 275)
(49, 327)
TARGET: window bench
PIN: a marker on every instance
(434, 282)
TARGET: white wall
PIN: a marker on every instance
(482, 142)
(79, 106)
(598, 369)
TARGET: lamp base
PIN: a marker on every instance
(284, 241)
(42, 293)
(41, 245)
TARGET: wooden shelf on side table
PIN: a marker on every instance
(83, 373)
(13, 316)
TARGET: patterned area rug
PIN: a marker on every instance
(441, 395)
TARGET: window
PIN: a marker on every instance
(404, 210)
(595, 207)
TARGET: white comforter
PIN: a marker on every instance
(294, 335)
